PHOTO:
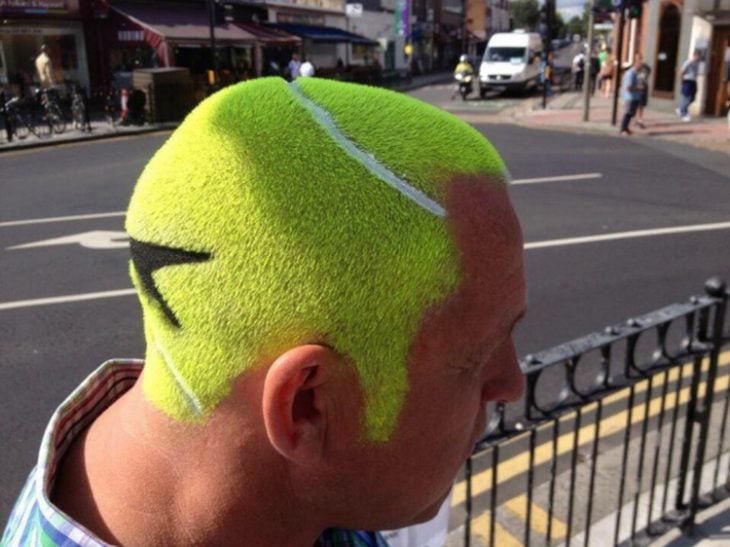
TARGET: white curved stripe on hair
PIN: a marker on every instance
(325, 121)
(192, 399)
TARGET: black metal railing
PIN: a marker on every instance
(622, 435)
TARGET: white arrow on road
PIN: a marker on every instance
(97, 239)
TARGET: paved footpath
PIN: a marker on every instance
(565, 112)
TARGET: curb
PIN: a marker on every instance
(14, 147)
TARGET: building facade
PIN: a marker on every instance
(485, 18)
(26, 25)
(667, 34)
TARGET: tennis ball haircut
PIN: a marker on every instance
(282, 213)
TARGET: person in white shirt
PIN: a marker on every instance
(578, 67)
(307, 69)
(690, 71)
(44, 68)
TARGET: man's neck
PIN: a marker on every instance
(125, 480)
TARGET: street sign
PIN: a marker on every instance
(353, 10)
(97, 239)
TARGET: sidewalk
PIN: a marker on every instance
(103, 130)
(712, 529)
(565, 112)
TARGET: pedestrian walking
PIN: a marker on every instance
(642, 74)
(631, 94)
(306, 70)
(294, 67)
(578, 67)
(605, 82)
(548, 68)
(690, 71)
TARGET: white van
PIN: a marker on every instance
(511, 61)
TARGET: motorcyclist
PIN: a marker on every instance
(463, 68)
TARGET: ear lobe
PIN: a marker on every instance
(294, 405)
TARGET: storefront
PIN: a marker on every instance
(320, 44)
(25, 26)
(147, 35)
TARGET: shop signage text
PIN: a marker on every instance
(34, 6)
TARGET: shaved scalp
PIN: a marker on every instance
(278, 215)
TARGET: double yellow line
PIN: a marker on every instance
(610, 425)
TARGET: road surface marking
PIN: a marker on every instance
(61, 219)
(97, 239)
(558, 178)
(528, 246)
(64, 299)
(538, 519)
(480, 528)
(518, 464)
(627, 235)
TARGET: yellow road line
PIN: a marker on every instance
(538, 519)
(516, 465)
(480, 528)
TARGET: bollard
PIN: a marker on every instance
(6, 118)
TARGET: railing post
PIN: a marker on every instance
(715, 288)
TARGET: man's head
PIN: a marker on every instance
(354, 253)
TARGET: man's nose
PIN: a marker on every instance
(505, 381)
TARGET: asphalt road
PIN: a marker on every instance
(574, 288)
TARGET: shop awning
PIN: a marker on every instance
(323, 35)
(269, 35)
(182, 25)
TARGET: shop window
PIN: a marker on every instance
(69, 58)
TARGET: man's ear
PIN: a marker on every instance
(294, 404)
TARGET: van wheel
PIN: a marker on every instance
(482, 93)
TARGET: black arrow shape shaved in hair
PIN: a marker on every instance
(148, 257)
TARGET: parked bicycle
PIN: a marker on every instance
(78, 109)
(21, 119)
(49, 99)
(111, 106)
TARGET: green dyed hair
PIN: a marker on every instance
(279, 214)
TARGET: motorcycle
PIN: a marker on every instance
(464, 83)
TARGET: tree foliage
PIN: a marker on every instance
(525, 14)
(576, 25)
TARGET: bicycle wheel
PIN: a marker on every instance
(56, 122)
(19, 127)
(42, 128)
(79, 116)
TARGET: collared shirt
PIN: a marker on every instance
(690, 70)
(630, 90)
(36, 521)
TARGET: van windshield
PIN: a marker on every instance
(505, 54)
